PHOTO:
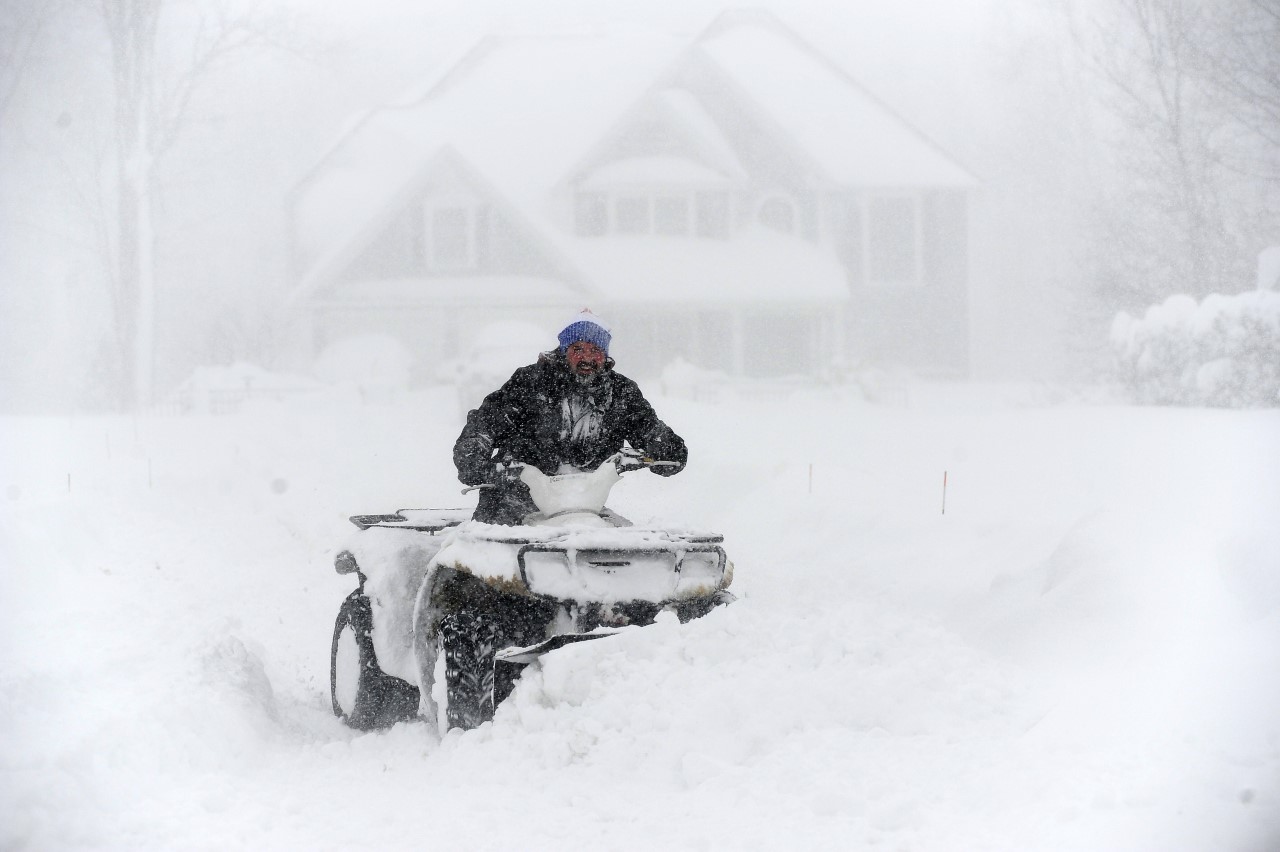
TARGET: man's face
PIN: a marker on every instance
(585, 359)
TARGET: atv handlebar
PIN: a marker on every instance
(628, 459)
(625, 461)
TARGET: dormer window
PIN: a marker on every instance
(665, 214)
(671, 215)
(660, 196)
(591, 214)
(778, 213)
(456, 235)
(631, 215)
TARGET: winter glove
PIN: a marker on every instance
(506, 472)
(663, 468)
(629, 460)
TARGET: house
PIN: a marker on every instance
(734, 199)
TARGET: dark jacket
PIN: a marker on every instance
(545, 416)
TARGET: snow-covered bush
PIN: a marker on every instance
(378, 365)
(225, 389)
(683, 380)
(1223, 351)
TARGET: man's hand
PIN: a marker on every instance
(506, 472)
(630, 459)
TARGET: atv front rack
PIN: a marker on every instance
(682, 570)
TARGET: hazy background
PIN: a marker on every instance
(1048, 103)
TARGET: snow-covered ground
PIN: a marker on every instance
(1083, 652)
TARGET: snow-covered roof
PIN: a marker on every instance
(521, 114)
(458, 291)
(690, 112)
(759, 266)
(520, 110)
(851, 136)
(651, 171)
(241, 376)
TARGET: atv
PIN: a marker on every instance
(449, 610)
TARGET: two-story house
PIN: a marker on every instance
(734, 199)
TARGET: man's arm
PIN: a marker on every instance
(487, 427)
(473, 452)
(655, 439)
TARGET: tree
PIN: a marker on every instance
(1238, 60)
(1183, 191)
(1163, 221)
(152, 97)
(21, 27)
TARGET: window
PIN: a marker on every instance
(457, 236)
(671, 216)
(670, 213)
(591, 214)
(893, 240)
(713, 215)
(778, 214)
(631, 215)
(450, 238)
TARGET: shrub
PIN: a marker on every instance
(1223, 351)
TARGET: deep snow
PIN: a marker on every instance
(1083, 652)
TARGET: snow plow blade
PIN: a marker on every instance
(529, 653)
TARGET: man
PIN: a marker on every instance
(567, 410)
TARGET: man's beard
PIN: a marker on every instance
(587, 376)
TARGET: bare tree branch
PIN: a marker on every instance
(21, 28)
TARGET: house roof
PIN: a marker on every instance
(853, 137)
(760, 267)
(520, 110)
(521, 114)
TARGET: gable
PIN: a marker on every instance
(521, 110)
(527, 138)
(671, 128)
(853, 138)
(448, 224)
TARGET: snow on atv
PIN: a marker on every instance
(449, 610)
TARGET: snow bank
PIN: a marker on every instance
(378, 365)
(1081, 653)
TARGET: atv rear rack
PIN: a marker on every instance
(422, 520)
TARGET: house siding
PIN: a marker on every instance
(923, 327)
(400, 249)
(462, 228)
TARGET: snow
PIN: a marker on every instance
(1083, 652)
(1269, 268)
(545, 99)
(744, 269)
(1223, 350)
(215, 389)
(647, 172)
(853, 137)
(373, 362)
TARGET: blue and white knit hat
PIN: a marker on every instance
(586, 326)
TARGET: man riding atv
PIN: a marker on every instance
(570, 408)
(448, 610)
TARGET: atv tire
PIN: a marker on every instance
(468, 643)
(364, 697)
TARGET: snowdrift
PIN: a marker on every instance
(1083, 652)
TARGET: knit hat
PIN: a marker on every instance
(588, 327)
